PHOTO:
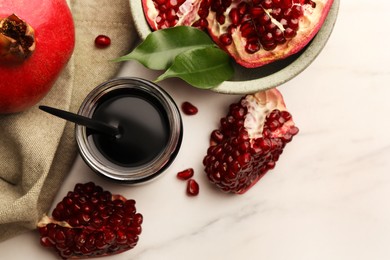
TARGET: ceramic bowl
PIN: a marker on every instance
(272, 75)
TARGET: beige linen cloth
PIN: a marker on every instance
(37, 150)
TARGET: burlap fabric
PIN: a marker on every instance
(37, 150)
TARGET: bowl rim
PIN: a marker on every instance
(276, 79)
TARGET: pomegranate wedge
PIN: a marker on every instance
(91, 222)
(249, 141)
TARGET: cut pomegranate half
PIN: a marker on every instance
(253, 32)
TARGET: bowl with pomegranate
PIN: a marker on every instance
(269, 41)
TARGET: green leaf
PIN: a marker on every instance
(202, 67)
(160, 48)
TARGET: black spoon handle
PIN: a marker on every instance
(82, 120)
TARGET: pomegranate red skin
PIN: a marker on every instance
(24, 84)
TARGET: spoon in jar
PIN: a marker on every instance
(96, 125)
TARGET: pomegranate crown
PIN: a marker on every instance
(17, 40)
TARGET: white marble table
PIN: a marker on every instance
(327, 198)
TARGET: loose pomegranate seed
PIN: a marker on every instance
(186, 174)
(102, 41)
(188, 108)
(192, 187)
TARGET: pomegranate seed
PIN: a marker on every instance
(267, 38)
(192, 187)
(289, 33)
(277, 13)
(221, 19)
(264, 19)
(279, 36)
(102, 41)
(252, 46)
(256, 11)
(201, 24)
(226, 39)
(267, 4)
(297, 11)
(294, 24)
(243, 8)
(247, 29)
(188, 108)
(216, 136)
(171, 15)
(185, 174)
(234, 16)
(203, 12)
(287, 13)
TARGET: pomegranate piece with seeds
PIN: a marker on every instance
(91, 222)
(249, 141)
(253, 32)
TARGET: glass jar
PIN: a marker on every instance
(150, 130)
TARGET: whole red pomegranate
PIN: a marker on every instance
(253, 32)
(91, 222)
(249, 141)
(37, 39)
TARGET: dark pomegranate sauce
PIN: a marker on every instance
(143, 127)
